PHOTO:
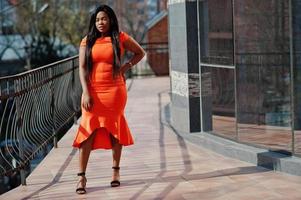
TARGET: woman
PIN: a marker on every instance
(104, 96)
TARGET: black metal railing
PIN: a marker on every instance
(34, 107)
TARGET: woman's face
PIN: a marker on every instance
(102, 23)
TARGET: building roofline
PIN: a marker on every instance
(156, 19)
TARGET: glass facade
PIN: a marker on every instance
(250, 71)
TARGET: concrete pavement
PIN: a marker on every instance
(160, 165)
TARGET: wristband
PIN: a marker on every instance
(130, 63)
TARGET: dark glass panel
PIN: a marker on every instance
(216, 31)
(262, 46)
(218, 101)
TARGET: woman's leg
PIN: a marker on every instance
(116, 151)
(84, 153)
(116, 154)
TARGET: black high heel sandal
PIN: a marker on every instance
(81, 190)
(115, 183)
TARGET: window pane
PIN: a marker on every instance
(218, 101)
(216, 29)
(263, 72)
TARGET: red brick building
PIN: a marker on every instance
(157, 38)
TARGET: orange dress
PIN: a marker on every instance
(109, 99)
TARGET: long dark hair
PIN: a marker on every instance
(93, 34)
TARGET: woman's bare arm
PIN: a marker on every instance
(132, 46)
(84, 79)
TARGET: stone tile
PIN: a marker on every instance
(159, 166)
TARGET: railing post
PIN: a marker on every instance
(52, 105)
(17, 88)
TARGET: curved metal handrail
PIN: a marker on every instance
(34, 106)
(3, 78)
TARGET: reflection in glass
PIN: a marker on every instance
(218, 101)
(263, 73)
(216, 31)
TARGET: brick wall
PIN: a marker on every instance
(158, 59)
(159, 32)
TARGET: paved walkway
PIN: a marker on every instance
(159, 166)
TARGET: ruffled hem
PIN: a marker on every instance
(104, 127)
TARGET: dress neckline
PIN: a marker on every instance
(106, 38)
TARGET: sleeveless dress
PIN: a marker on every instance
(109, 99)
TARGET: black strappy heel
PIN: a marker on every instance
(115, 183)
(81, 190)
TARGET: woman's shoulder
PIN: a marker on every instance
(123, 36)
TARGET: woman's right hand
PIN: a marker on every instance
(87, 101)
